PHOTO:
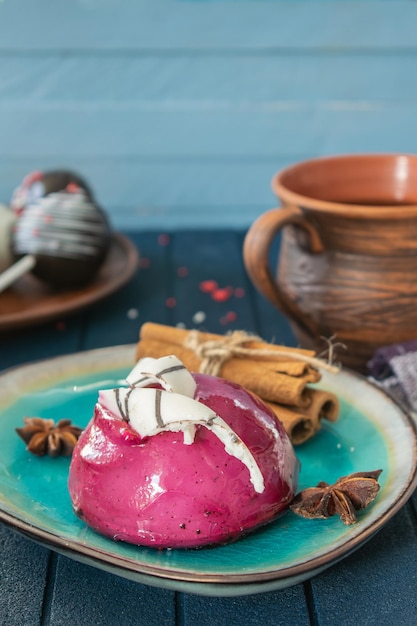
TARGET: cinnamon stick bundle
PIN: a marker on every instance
(280, 376)
(302, 424)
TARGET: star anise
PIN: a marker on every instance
(43, 436)
(346, 496)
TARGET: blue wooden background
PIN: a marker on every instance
(179, 112)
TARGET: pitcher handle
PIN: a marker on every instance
(256, 249)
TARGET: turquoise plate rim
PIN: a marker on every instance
(398, 424)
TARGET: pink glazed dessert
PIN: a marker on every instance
(180, 460)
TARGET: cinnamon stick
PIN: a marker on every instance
(268, 382)
(302, 424)
(298, 426)
(323, 405)
(272, 372)
(171, 334)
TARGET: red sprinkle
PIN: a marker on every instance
(221, 295)
(182, 271)
(240, 292)
(208, 286)
(31, 178)
(170, 303)
(72, 188)
(231, 316)
(144, 262)
(164, 239)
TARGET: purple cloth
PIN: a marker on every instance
(394, 367)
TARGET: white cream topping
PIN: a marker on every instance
(168, 371)
(150, 411)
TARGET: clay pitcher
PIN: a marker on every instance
(347, 266)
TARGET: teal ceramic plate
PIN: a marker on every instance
(371, 433)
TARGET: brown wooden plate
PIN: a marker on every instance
(29, 301)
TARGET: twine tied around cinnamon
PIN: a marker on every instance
(214, 353)
(280, 376)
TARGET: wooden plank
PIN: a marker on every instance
(215, 256)
(168, 290)
(86, 595)
(145, 188)
(199, 216)
(23, 571)
(163, 24)
(141, 300)
(270, 609)
(216, 82)
(311, 128)
(50, 133)
(41, 342)
(370, 587)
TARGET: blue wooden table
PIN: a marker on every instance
(375, 585)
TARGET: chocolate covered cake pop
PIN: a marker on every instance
(65, 234)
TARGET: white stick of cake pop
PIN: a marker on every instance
(7, 221)
(15, 271)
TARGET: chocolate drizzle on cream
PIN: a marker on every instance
(151, 410)
(158, 415)
(158, 375)
(168, 371)
(123, 406)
